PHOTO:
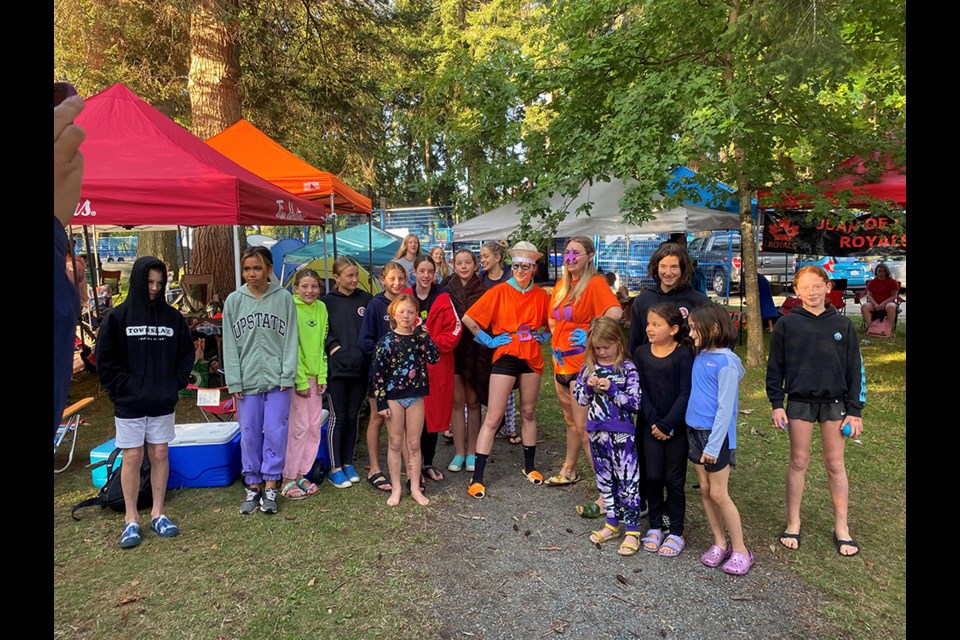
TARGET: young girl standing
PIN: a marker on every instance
(492, 273)
(376, 323)
(443, 323)
(609, 385)
(306, 405)
(439, 257)
(260, 365)
(408, 252)
(347, 368)
(712, 436)
(400, 381)
(815, 362)
(665, 362)
(465, 288)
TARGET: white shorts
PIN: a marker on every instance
(132, 432)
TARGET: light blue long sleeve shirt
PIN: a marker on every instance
(714, 397)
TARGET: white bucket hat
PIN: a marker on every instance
(524, 251)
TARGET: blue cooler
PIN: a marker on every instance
(205, 454)
(101, 453)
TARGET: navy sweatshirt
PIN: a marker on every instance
(144, 349)
(816, 358)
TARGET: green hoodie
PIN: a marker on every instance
(260, 340)
(312, 328)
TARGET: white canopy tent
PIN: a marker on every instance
(605, 217)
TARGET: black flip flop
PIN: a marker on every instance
(845, 543)
(790, 536)
(377, 481)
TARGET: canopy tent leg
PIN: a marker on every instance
(236, 255)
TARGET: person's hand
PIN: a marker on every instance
(334, 350)
(284, 388)
(321, 389)
(304, 393)
(385, 413)
(705, 459)
(603, 384)
(492, 342)
(578, 338)
(592, 381)
(659, 435)
(856, 426)
(779, 418)
(541, 336)
(236, 396)
(67, 159)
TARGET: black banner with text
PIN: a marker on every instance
(791, 232)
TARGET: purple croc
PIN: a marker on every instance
(739, 564)
(715, 556)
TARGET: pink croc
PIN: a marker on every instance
(739, 564)
(715, 556)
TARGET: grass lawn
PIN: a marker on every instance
(329, 565)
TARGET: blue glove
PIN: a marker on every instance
(541, 336)
(492, 342)
(578, 338)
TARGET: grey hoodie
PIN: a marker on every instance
(259, 340)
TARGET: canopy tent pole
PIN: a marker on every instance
(236, 255)
(326, 262)
(333, 227)
(96, 281)
(370, 247)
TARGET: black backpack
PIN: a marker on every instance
(111, 493)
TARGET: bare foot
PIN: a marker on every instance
(394, 499)
(420, 498)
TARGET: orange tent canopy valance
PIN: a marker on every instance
(258, 153)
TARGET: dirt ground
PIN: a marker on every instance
(519, 564)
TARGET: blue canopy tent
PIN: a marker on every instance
(711, 197)
(353, 242)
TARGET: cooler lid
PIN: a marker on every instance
(201, 433)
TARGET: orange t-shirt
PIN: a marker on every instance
(592, 303)
(504, 309)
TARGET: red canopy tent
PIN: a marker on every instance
(891, 187)
(251, 148)
(142, 169)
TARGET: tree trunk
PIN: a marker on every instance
(160, 244)
(215, 105)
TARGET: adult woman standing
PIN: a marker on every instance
(578, 297)
(516, 312)
(443, 325)
(408, 252)
(492, 274)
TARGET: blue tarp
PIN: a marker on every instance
(710, 197)
(353, 242)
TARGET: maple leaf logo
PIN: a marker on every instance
(784, 229)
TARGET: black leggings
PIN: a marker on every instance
(666, 463)
(428, 446)
(347, 395)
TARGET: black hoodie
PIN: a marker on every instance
(345, 316)
(685, 298)
(816, 359)
(144, 349)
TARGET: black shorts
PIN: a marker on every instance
(816, 411)
(564, 379)
(698, 438)
(510, 366)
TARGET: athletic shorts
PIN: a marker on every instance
(510, 366)
(564, 379)
(816, 411)
(133, 432)
(698, 438)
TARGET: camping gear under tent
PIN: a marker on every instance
(353, 242)
(323, 265)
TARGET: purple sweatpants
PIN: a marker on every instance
(263, 434)
(618, 476)
(303, 438)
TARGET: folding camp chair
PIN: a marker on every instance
(879, 314)
(225, 411)
(837, 295)
(197, 293)
(111, 278)
(69, 424)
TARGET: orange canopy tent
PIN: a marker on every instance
(258, 153)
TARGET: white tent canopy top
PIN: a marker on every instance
(605, 217)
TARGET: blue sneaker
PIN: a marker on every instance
(162, 526)
(130, 536)
(351, 473)
(456, 465)
(471, 463)
(340, 480)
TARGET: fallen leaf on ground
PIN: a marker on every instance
(550, 549)
(213, 547)
(569, 530)
(746, 412)
(516, 527)
(741, 598)
(289, 516)
(869, 564)
(134, 583)
(515, 518)
(218, 510)
(324, 510)
(128, 599)
(622, 580)
(526, 533)
(311, 582)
